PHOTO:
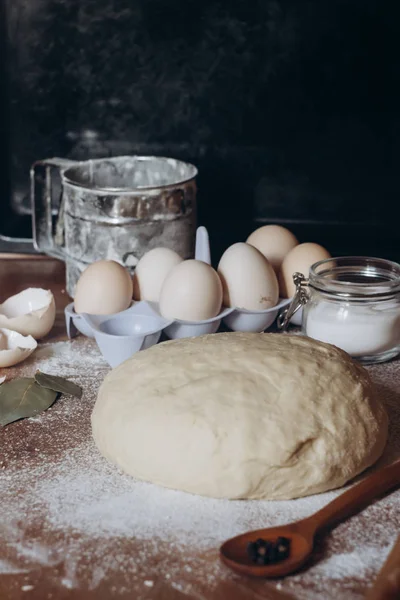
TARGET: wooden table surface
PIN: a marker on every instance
(42, 581)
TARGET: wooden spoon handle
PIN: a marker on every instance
(387, 584)
(358, 497)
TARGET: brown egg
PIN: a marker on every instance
(248, 280)
(151, 272)
(274, 242)
(192, 291)
(299, 260)
(105, 287)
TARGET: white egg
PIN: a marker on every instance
(248, 280)
(151, 271)
(14, 347)
(104, 288)
(31, 312)
(192, 291)
(274, 242)
(299, 260)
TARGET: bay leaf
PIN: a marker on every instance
(22, 398)
(58, 384)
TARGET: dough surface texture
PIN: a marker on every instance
(241, 415)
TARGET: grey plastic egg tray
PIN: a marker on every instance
(122, 334)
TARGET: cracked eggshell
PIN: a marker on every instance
(14, 347)
(31, 312)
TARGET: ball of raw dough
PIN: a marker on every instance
(274, 242)
(241, 415)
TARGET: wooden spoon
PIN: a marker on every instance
(302, 533)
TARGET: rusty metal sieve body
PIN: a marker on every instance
(114, 208)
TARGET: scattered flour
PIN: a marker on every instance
(8, 568)
(344, 565)
(65, 509)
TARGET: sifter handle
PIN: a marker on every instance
(44, 239)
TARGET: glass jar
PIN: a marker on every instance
(353, 303)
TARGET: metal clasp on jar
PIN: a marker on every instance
(299, 299)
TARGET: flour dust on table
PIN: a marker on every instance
(72, 521)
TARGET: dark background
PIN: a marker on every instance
(290, 108)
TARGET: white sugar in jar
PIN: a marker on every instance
(354, 303)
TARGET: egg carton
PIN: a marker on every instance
(121, 335)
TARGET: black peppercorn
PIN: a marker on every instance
(265, 552)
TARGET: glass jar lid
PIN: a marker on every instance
(356, 277)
